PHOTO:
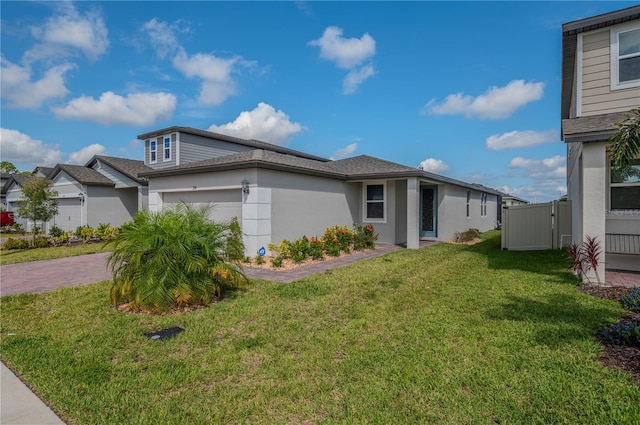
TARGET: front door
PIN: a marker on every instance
(428, 211)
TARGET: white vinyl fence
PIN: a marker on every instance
(536, 226)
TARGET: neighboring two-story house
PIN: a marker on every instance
(279, 193)
(600, 82)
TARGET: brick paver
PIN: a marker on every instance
(47, 275)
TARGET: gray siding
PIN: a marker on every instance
(597, 97)
(114, 175)
(452, 211)
(161, 163)
(196, 148)
(66, 185)
(109, 205)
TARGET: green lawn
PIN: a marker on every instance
(36, 254)
(451, 334)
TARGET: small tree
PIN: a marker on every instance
(38, 201)
(8, 167)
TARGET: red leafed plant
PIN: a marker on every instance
(585, 257)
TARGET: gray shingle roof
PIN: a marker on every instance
(129, 167)
(591, 128)
(257, 144)
(82, 174)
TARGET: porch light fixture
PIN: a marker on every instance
(245, 186)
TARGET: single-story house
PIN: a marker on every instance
(105, 190)
(279, 193)
(600, 84)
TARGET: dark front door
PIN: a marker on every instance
(428, 211)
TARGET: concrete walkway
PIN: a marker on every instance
(19, 405)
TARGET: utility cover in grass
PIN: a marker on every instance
(164, 333)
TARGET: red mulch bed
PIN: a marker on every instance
(617, 356)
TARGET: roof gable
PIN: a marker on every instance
(129, 167)
(83, 175)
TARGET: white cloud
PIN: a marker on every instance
(136, 109)
(520, 139)
(547, 169)
(262, 123)
(20, 148)
(85, 154)
(344, 152)
(348, 53)
(496, 103)
(86, 32)
(215, 73)
(21, 92)
(433, 165)
(356, 77)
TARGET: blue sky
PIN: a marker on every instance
(469, 90)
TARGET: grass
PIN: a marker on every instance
(36, 254)
(448, 334)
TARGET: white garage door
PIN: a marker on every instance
(69, 214)
(226, 204)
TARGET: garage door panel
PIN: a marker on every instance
(69, 213)
(225, 204)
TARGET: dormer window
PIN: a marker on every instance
(167, 149)
(625, 56)
(153, 151)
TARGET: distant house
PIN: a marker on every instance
(4, 179)
(511, 201)
(600, 83)
(279, 193)
(105, 190)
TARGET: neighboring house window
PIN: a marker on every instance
(167, 149)
(625, 56)
(153, 151)
(468, 203)
(625, 187)
(483, 205)
(375, 207)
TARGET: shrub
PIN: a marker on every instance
(364, 237)
(276, 262)
(172, 258)
(17, 228)
(63, 238)
(315, 249)
(631, 301)
(300, 249)
(623, 333)
(283, 250)
(85, 233)
(259, 260)
(12, 243)
(467, 236)
(41, 242)
(337, 239)
(105, 232)
(235, 246)
(55, 231)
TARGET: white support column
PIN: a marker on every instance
(594, 162)
(413, 212)
(256, 219)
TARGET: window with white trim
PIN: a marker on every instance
(468, 203)
(483, 205)
(625, 56)
(167, 149)
(625, 187)
(374, 202)
(153, 151)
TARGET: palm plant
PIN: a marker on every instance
(624, 145)
(172, 258)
